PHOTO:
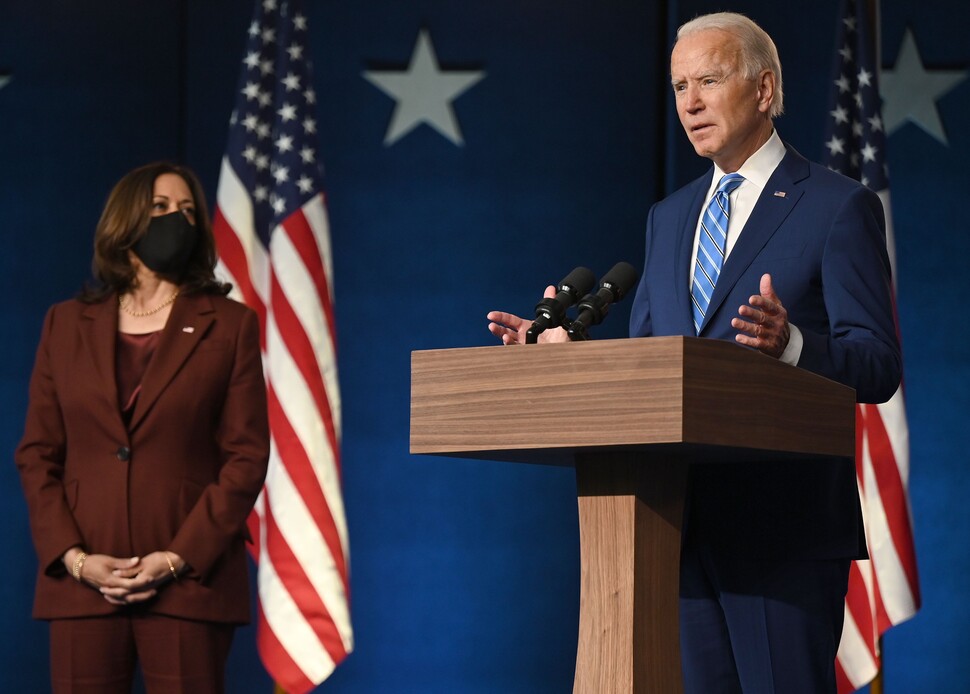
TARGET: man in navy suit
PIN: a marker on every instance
(805, 278)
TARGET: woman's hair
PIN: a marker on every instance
(757, 52)
(124, 221)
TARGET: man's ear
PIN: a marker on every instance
(766, 90)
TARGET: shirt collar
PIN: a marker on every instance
(758, 168)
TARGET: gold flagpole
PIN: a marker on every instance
(876, 686)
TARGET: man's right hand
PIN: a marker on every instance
(511, 329)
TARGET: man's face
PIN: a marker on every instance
(724, 114)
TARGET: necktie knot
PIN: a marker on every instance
(729, 183)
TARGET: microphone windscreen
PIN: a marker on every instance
(578, 282)
(620, 279)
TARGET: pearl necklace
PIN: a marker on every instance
(123, 303)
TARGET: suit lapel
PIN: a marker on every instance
(685, 269)
(187, 324)
(99, 329)
(768, 214)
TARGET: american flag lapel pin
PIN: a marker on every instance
(188, 329)
(780, 193)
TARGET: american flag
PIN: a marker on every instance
(884, 590)
(274, 245)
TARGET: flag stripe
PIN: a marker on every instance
(304, 240)
(312, 243)
(232, 257)
(318, 254)
(300, 588)
(305, 485)
(293, 331)
(280, 585)
(286, 672)
(892, 492)
(301, 422)
(859, 665)
(304, 547)
(858, 606)
(240, 249)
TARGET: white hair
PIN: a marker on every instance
(757, 52)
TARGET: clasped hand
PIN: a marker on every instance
(129, 580)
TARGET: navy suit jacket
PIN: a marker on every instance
(822, 238)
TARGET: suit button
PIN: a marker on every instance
(123, 453)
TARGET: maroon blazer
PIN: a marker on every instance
(183, 477)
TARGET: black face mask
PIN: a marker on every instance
(168, 244)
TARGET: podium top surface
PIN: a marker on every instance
(664, 393)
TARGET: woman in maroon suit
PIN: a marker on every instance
(145, 447)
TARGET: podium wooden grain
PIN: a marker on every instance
(631, 415)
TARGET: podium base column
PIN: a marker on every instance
(630, 518)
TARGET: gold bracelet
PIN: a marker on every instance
(171, 567)
(78, 564)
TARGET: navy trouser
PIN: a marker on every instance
(760, 626)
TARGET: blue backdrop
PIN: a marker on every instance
(465, 573)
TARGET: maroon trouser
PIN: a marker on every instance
(100, 654)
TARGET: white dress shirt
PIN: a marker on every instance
(757, 169)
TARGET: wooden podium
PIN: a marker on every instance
(631, 415)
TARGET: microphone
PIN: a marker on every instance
(550, 313)
(594, 307)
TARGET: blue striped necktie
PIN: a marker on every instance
(710, 248)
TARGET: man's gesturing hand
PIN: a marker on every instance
(764, 323)
(511, 329)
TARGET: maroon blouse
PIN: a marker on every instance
(132, 355)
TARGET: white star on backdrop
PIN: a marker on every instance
(423, 93)
(910, 91)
